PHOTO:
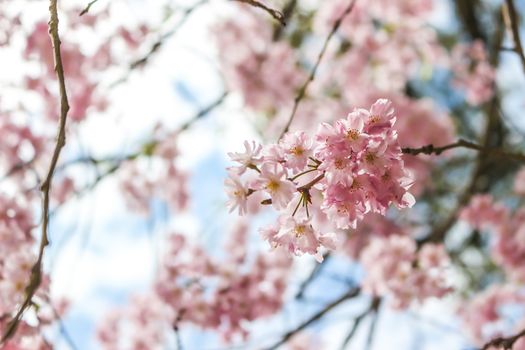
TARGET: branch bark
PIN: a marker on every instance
(45, 187)
(302, 91)
(513, 24)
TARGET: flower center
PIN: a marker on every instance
(297, 151)
(370, 157)
(374, 119)
(352, 134)
(300, 230)
(339, 164)
(273, 186)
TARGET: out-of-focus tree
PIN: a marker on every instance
(389, 148)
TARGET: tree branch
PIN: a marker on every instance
(315, 272)
(45, 187)
(431, 149)
(357, 321)
(277, 15)
(504, 342)
(311, 77)
(160, 41)
(88, 7)
(351, 293)
(511, 16)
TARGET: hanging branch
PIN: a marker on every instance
(302, 91)
(45, 187)
(277, 15)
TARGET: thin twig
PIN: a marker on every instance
(376, 302)
(277, 15)
(45, 187)
(515, 29)
(288, 11)
(160, 41)
(311, 77)
(88, 7)
(351, 293)
(63, 330)
(357, 321)
(114, 162)
(315, 272)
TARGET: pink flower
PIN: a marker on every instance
(237, 194)
(273, 181)
(249, 158)
(393, 269)
(297, 148)
(381, 117)
(482, 212)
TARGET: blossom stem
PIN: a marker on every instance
(303, 173)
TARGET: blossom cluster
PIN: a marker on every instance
(487, 315)
(325, 182)
(16, 261)
(193, 287)
(508, 229)
(473, 72)
(160, 177)
(396, 269)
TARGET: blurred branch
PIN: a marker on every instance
(357, 321)
(302, 91)
(45, 187)
(493, 135)
(512, 20)
(504, 342)
(277, 15)
(431, 149)
(374, 309)
(84, 11)
(115, 162)
(160, 41)
(351, 293)
(467, 12)
(63, 330)
(315, 272)
(287, 13)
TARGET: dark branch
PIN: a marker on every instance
(505, 343)
(351, 293)
(515, 29)
(357, 322)
(315, 272)
(88, 7)
(431, 149)
(277, 15)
